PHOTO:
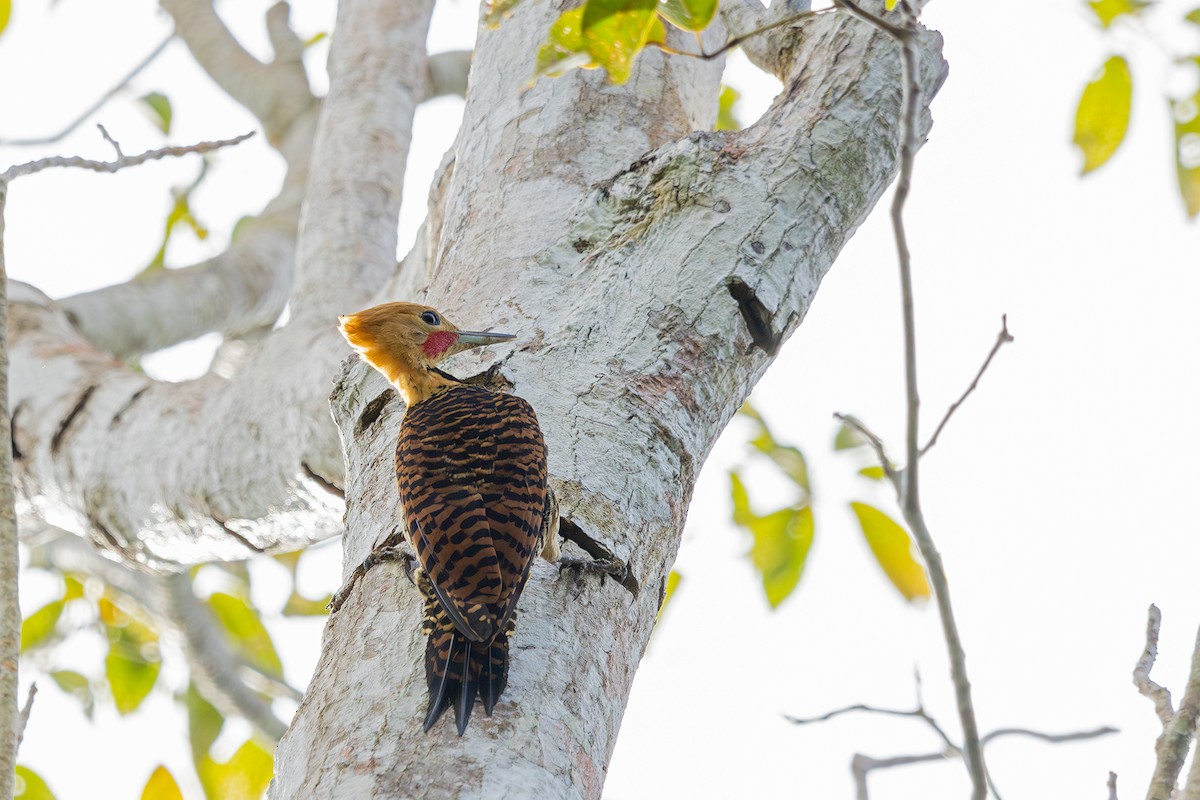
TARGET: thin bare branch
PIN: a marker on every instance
(734, 41)
(916, 713)
(31, 167)
(96, 106)
(1159, 695)
(26, 710)
(1003, 338)
(861, 765)
(906, 482)
(116, 146)
(1112, 786)
(1052, 738)
(889, 471)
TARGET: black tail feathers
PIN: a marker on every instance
(457, 670)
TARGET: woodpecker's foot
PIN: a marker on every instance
(613, 567)
(377, 556)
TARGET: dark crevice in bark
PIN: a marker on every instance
(757, 317)
(12, 427)
(113, 542)
(371, 413)
(328, 486)
(65, 425)
(249, 545)
(121, 411)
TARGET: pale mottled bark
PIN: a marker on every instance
(604, 226)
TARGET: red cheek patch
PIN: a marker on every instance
(438, 343)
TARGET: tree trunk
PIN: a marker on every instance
(606, 227)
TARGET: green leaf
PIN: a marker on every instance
(726, 120)
(244, 776)
(673, 581)
(1193, 16)
(158, 109)
(615, 31)
(1103, 114)
(847, 438)
(161, 786)
(1108, 10)
(781, 542)
(38, 628)
(873, 473)
(246, 632)
(5, 14)
(133, 661)
(316, 37)
(688, 15)
(30, 786)
(1187, 150)
(204, 723)
(495, 11)
(78, 686)
(564, 48)
(893, 549)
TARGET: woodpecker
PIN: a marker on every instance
(471, 472)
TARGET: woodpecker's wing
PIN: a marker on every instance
(471, 470)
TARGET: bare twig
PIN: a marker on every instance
(906, 481)
(31, 167)
(1052, 738)
(26, 710)
(1002, 339)
(1159, 695)
(111, 140)
(1112, 786)
(740, 38)
(10, 612)
(96, 106)
(917, 713)
(1179, 728)
(860, 765)
(857, 425)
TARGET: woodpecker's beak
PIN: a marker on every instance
(468, 339)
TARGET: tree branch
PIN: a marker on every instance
(96, 106)
(277, 93)
(26, 710)
(10, 610)
(171, 604)
(30, 167)
(1003, 338)
(1179, 727)
(1159, 695)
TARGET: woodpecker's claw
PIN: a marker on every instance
(377, 556)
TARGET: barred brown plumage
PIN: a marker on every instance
(471, 472)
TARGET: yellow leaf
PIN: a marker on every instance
(5, 13)
(244, 776)
(1103, 114)
(161, 786)
(1108, 10)
(893, 549)
(672, 584)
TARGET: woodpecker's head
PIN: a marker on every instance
(400, 338)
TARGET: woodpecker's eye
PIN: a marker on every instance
(431, 318)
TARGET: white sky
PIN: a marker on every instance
(1062, 495)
